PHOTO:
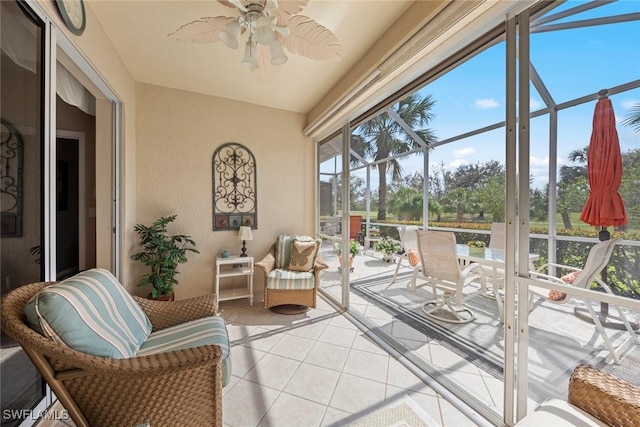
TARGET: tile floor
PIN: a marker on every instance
(315, 369)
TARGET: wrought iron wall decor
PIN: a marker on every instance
(10, 181)
(235, 197)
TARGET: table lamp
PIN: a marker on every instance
(244, 234)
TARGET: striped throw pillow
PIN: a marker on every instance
(92, 313)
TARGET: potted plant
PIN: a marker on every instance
(476, 246)
(162, 253)
(389, 248)
(354, 249)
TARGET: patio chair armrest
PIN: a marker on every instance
(267, 264)
(604, 396)
(164, 314)
(553, 264)
(479, 271)
(537, 275)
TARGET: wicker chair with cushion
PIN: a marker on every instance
(291, 274)
(117, 360)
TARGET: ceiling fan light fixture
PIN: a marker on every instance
(278, 56)
(264, 33)
(250, 54)
(230, 34)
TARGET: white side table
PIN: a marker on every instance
(234, 266)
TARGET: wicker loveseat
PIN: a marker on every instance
(291, 287)
(596, 398)
(167, 383)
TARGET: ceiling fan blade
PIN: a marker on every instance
(203, 30)
(287, 8)
(310, 39)
(233, 4)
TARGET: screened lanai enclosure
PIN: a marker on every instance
(449, 153)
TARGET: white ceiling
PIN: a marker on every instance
(138, 29)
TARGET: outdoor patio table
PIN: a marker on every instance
(494, 259)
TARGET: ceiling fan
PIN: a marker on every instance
(270, 26)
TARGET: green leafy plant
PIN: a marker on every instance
(162, 253)
(354, 248)
(476, 244)
(388, 246)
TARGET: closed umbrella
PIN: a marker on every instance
(604, 206)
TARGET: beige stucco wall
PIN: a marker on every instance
(177, 134)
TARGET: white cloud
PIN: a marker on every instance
(534, 104)
(462, 152)
(535, 161)
(457, 163)
(486, 103)
(629, 104)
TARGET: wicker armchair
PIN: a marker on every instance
(281, 292)
(181, 387)
(595, 398)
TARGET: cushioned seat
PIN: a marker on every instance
(291, 274)
(205, 331)
(113, 359)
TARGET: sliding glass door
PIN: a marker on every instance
(21, 191)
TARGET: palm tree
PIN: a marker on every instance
(383, 137)
(633, 119)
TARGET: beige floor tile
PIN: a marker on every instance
(399, 376)
(357, 395)
(313, 383)
(293, 347)
(273, 371)
(335, 418)
(367, 365)
(329, 356)
(444, 358)
(243, 359)
(364, 343)
(310, 330)
(292, 411)
(338, 336)
(246, 403)
(262, 339)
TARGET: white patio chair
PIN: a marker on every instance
(441, 269)
(582, 278)
(409, 240)
(496, 241)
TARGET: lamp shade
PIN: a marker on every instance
(264, 33)
(250, 54)
(245, 233)
(230, 35)
(278, 56)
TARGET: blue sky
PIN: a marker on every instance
(571, 63)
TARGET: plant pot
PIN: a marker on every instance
(476, 251)
(351, 258)
(388, 257)
(170, 297)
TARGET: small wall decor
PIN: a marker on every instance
(10, 181)
(235, 198)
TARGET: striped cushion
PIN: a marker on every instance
(90, 312)
(283, 248)
(206, 331)
(286, 279)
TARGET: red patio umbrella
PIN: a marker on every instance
(604, 206)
